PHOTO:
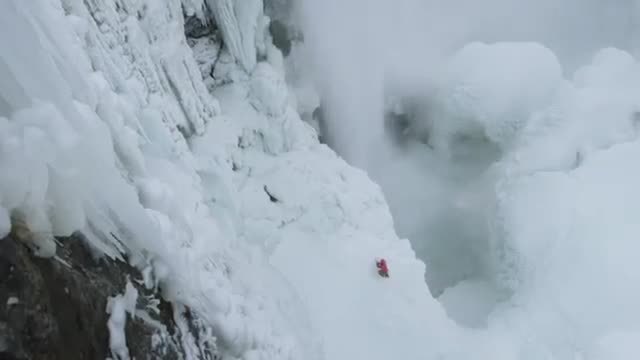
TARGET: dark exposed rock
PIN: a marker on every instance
(319, 117)
(284, 29)
(281, 37)
(56, 308)
(397, 126)
(196, 28)
(272, 198)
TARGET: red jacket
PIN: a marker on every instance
(382, 267)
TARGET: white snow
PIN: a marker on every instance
(615, 346)
(111, 161)
(497, 87)
(268, 91)
(533, 245)
(219, 192)
(12, 300)
(117, 308)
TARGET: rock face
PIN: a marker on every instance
(55, 309)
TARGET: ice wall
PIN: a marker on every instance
(114, 124)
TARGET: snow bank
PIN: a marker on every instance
(566, 201)
(496, 87)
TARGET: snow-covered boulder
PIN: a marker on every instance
(496, 87)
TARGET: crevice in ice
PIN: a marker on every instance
(272, 198)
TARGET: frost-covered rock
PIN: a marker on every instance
(56, 309)
(239, 23)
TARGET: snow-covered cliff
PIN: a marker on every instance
(188, 158)
(173, 136)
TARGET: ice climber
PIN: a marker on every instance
(383, 270)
